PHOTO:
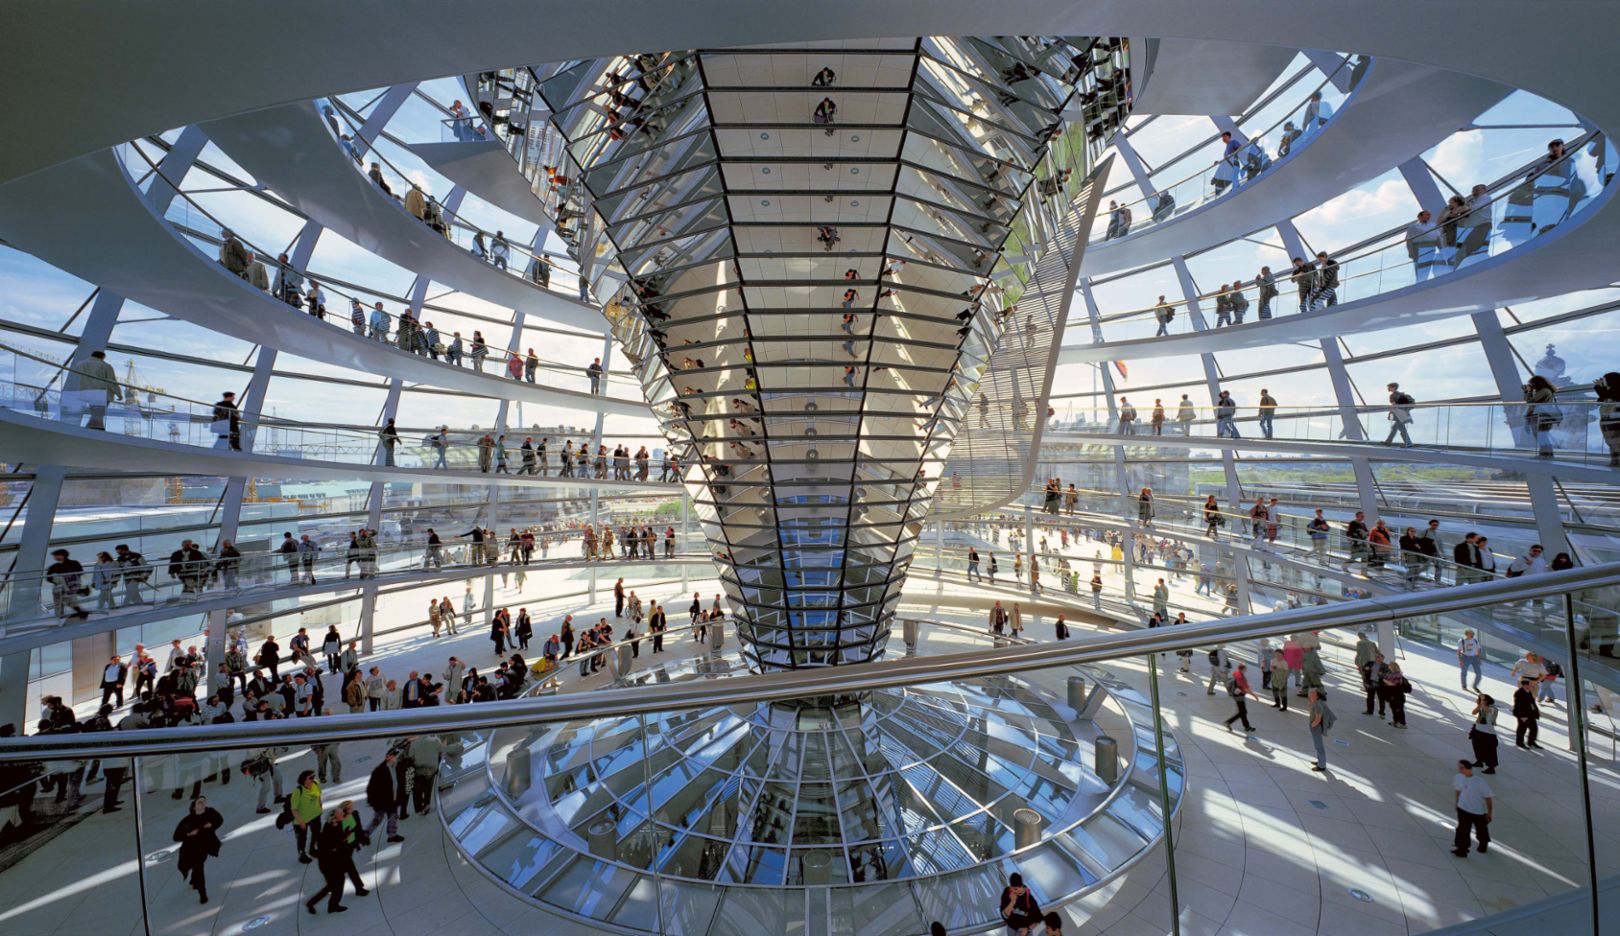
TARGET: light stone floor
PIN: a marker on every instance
(1264, 847)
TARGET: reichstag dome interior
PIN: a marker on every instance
(955, 425)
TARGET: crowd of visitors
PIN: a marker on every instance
(126, 578)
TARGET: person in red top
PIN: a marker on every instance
(1237, 685)
(1378, 539)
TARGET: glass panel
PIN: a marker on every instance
(75, 814)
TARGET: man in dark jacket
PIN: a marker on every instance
(1527, 712)
(382, 795)
(189, 565)
(332, 851)
(225, 411)
(112, 681)
(1372, 677)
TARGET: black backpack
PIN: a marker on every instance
(1214, 658)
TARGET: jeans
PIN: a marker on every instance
(1398, 427)
(378, 817)
(1544, 692)
(1226, 428)
(1467, 663)
(1265, 425)
(1321, 749)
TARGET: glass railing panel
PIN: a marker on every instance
(1563, 428)
(1503, 216)
(1246, 163)
(207, 233)
(74, 813)
(1383, 820)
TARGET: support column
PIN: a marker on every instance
(686, 519)
(1212, 382)
(1354, 430)
(1505, 371)
(34, 541)
(15, 670)
(1133, 163)
(374, 504)
(1504, 367)
(1424, 188)
(596, 442)
(381, 113)
(1121, 471)
(1328, 64)
(230, 513)
(493, 502)
(1226, 124)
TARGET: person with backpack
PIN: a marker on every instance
(1237, 686)
(1268, 291)
(1400, 415)
(1544, 689)
(1164, 313)
(1322, 719)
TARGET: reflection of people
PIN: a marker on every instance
(198, 835)
(1607, 388)
(1554, 186)
(91, 386)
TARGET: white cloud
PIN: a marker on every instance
(1360, 205)
(1458, 157)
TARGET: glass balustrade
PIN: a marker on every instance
(147, 414)
(1536, 199)
(549, 271)
(206, 232)
(1247, 162)
(153, 582)
(1563, 429)
(486, 797)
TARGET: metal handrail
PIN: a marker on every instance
(799, 684)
